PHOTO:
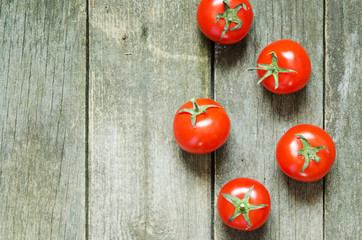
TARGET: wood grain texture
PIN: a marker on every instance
(42, 119)
(343, 194)
(259, 118)
(147, 58)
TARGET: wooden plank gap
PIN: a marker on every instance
(212, 69)
(324, 109)
(87, 124)
(213, 158)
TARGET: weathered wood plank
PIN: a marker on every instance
(42, 119)
(343, 194)
(259, 118)
(146, 59)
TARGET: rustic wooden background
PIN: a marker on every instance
(88, 91)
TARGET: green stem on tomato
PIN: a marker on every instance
(272, 69)
(309, 152)
(230, 15)
(196, 106)
(195, 111)
(242, 206)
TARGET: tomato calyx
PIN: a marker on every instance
(230, 15)
(196, 111)
(242, 206)
(272, 69)
(309, 152)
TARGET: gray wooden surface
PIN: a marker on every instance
(146, 58)
(343, 186)
(86, 144)
(42, 119)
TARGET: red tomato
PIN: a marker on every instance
(226, 28)
(201, 126)
(305, 153)
(283, 67)
(244, 204)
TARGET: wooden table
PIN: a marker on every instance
(88, 92)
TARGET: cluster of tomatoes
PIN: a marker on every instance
(305, 152)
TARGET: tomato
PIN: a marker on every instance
(283, 67)
(244, 204)
(305, 153)
(201, 126)
(224, 21)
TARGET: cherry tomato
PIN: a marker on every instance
(201, 126)
(305, 153)
(283, 67)
(224, 21)
(243, 204)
